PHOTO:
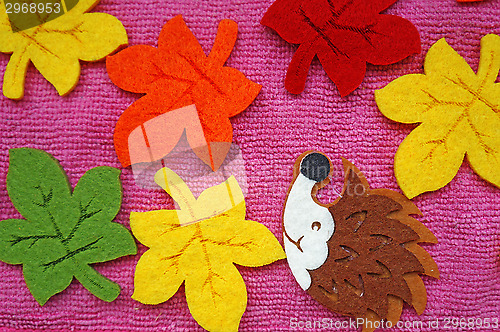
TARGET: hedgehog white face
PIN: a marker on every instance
(307, 225)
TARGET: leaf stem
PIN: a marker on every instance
(225, 39)
(15, 74)
(96, 283)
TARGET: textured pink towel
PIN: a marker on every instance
(78, 131)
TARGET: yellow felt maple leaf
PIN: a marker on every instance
(198, 245)
(56, 45)
(459, 112)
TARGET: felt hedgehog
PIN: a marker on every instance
(360, 255)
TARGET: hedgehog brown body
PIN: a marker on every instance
(374, 258)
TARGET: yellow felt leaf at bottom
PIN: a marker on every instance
(201, 253)
(459, 112)
(56, 46)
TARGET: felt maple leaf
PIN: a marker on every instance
(459, 112)
(175, 75)
(344, 34)
(63, 232)
(198, 245)
(56, 44)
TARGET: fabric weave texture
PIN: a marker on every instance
(272, 133)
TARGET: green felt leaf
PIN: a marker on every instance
(63, 232)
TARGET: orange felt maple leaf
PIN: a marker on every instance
(173, 76)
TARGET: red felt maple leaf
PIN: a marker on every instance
(173, 76)
(344, 34)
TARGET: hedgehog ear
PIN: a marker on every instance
(354, 182)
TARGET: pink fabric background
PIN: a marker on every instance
(78, 131)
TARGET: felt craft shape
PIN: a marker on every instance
(360, 255)
(198, 245)
(178, 74)
(344, 34)
(63, 232)
(56, 45)
(458, 112)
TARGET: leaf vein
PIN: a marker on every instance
(18, 239)
(84, 215)
(71, 254)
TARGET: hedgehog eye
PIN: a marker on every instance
(316, 226)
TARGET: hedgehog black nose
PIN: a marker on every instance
(315, 166)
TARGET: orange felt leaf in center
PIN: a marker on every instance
(175, 75)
